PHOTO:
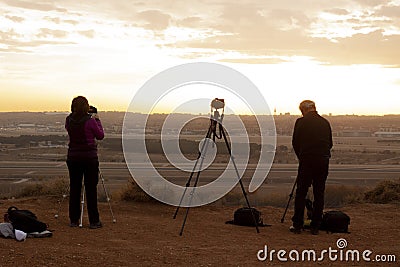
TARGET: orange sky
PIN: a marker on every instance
(343, 54)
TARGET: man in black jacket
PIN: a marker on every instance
(312, 142)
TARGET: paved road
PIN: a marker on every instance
(118, 174)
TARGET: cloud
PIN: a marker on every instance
(14, 18)
(286, 19)
(389, 11)
(13, 46)
(261, 32)
(154, 19)
(250, 29)
(12, 50)
(259, 60)
(34, 5)
(11, 41)
(337, 11)
(87, 33)
(189, 22)
(354, 21)
(70, 21)
(46, 33)
(9, 35)
(371, 3)
(371, 48)
(58, 20)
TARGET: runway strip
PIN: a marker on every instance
(118, 173)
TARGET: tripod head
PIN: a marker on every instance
(216, 105)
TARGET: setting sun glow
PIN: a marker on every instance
(342, 55)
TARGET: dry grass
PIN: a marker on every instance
(56, 188)
(385, 192)
(133, 192)
(340, 195)
(335, 195)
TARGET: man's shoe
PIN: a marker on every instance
(296, 230)
(74, 224)
(314, 231)
(96, 225)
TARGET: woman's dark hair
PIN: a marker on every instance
(80, 105)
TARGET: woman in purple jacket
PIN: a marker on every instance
(83, 130)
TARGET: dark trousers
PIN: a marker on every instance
(312, 171)
(89, 169)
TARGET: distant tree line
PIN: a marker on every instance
(29, 140)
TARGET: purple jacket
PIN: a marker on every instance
(82, 133)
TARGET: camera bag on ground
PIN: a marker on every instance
(25, 220)
(244, 216)
(335, 221)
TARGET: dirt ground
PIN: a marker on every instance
(146, 235)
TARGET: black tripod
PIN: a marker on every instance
(215, 122)
(290, 198)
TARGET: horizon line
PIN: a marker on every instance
(331, 114)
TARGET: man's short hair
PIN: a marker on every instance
(307, 105)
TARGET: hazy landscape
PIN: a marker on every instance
(40, 137)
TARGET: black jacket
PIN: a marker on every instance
(312, 136)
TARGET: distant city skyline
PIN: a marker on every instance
(344, 55)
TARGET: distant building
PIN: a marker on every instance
(387, 134)
(26, 125)
(355, 133)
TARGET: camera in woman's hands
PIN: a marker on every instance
(92, 110)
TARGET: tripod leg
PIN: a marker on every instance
(108, 198)
(186, 187)
(184, 222)
(82, 206)
(194, 186)
(290, 198)
(184, 192)
(191, 174)
(61, 201)
(238, 177)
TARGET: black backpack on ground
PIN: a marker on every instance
(25, 220)
(243, 216)
(335, 221)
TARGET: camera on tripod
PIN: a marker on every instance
(217, 104)
(215, 122)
